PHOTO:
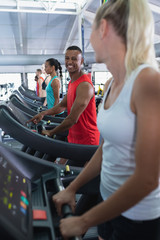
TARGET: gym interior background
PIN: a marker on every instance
(35, 30)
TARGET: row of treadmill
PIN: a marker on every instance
(29, 176)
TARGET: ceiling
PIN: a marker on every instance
(33, 30)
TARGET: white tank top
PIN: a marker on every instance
(117, 126)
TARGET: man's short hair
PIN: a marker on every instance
(39, 70)
(74, 48)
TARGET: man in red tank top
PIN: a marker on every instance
(84, 131)
(38, 74)
(80, 103)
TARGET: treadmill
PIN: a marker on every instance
(27, 185)
(16, 102)
(30, 95)
(41, 145)
(36, 105)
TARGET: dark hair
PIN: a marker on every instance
(39, 70)
(74, 48)
(54, 62)
(36, 78)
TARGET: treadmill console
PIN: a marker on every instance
(15, 205)
(27, 211)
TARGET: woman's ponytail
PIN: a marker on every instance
(60, 69)
(140, 36)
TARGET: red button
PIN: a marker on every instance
(33, 130)
(23, 194)
(39, 214)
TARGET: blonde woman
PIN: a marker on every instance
(128, 160)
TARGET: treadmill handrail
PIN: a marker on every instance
(56, 148)
(29, 95)
(33, 112)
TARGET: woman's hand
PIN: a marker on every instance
(72, 226)
(62, 197)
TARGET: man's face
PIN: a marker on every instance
(73, 61)
(48, 68)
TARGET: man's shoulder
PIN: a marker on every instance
(85, 86)
(84, 79)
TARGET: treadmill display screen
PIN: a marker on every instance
(14, 198)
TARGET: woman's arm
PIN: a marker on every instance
(56, 86)
(45, 102)
(91, 170)
(84, 93)
(40, 81)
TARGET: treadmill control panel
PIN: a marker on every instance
(14, 198)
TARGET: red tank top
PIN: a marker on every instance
(85, 131)
(37, 89)
(37, 86)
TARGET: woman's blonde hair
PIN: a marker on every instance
(133, 22)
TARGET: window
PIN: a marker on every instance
(8, 83)
(101, 78)
(31, 81)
